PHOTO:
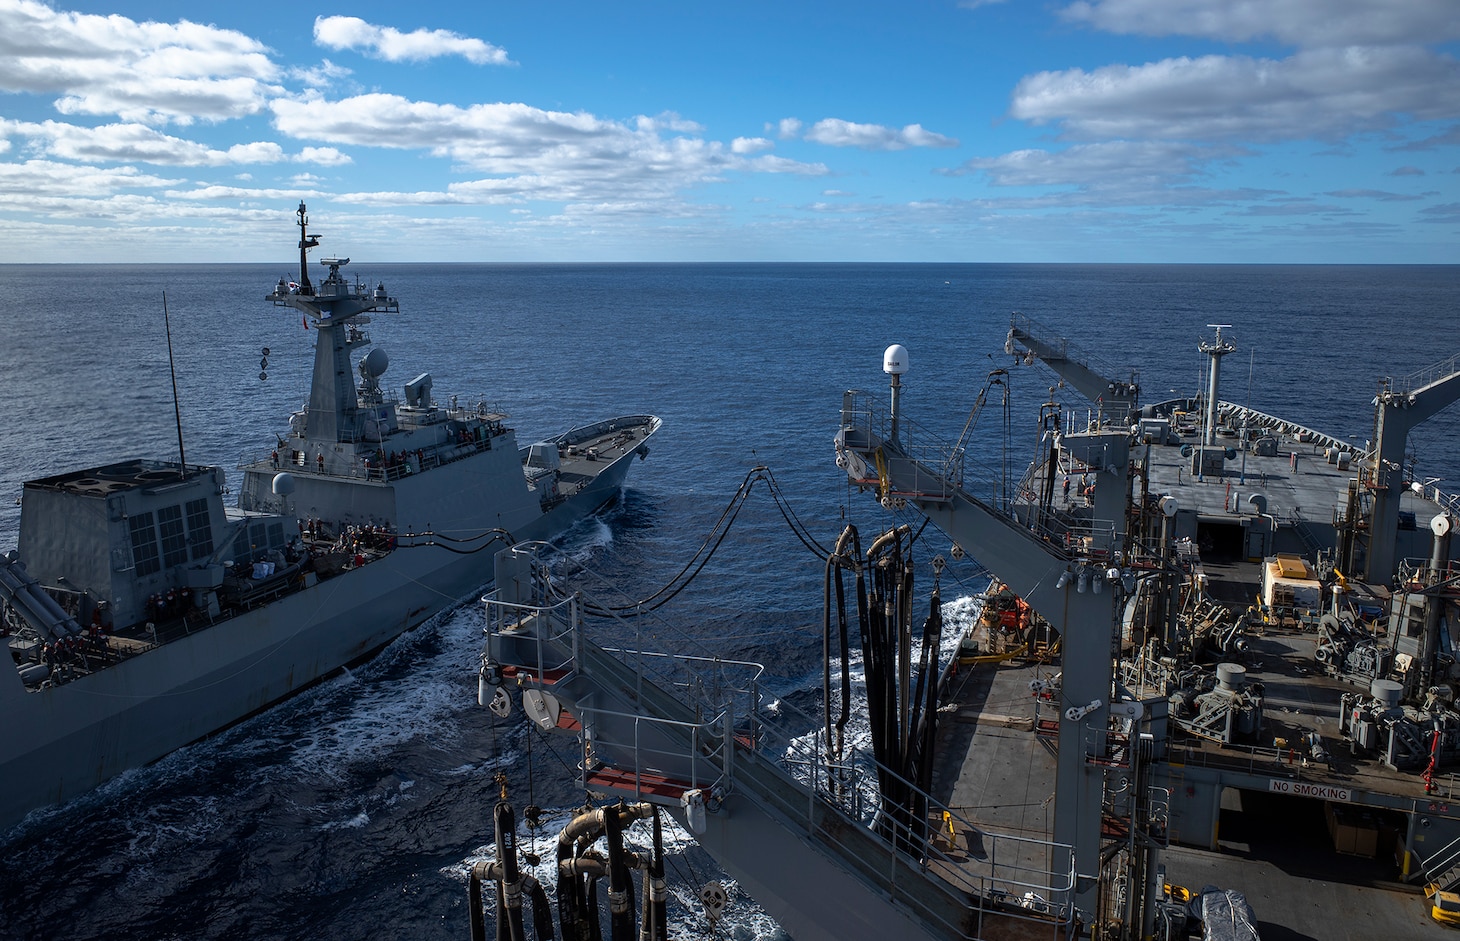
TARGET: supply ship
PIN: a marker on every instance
(142, 614)
(1223, 621)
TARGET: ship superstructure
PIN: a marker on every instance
(142, 613)
(1239, 610)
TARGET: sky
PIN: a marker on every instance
(1272, 131)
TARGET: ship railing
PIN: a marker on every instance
(1418, 573)
(1429, 491)
(1055, 347)
(555, 649)
(708, 744)
(1000, 874)
(934, 466)
(726, 690)
(1316, 440)
(674, 750)
(1092, 539)
(784, 766)
(1425, 377)
(1291, 762)
(720, 685)
(928, 465)
(1445, 786)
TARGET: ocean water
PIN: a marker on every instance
(354, 809)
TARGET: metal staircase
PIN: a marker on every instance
(1443, 868)
(753, 785)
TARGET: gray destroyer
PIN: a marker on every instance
(142, 614)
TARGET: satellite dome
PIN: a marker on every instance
(894, 361)
(283, 484)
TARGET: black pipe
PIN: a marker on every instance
(844, 639)
(510, 882)
(925, 721)
(590, 906)
(620, 886)
(474, 901)
(658, 894)
(570, 889)
(542, 909)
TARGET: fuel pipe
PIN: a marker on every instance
(620, 886)
(510, 883)
(655, 923)
(838, 560)
(580, 868)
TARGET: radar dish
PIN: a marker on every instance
(375, 362)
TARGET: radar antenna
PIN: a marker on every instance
(306, 242)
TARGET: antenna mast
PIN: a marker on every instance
(306, 242)
(176, 408)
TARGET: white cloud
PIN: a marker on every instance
(392, 45)
(750, 145)
(1320, 93)
(232, 193)
(37, 178)
(1111, 162)
(835, 132)
(667, 122)
(787, 128)
(324, 156)
(133, 143)
(323, 75)
(1301, 23)
(529, 153)
(142, 72)
(257, 152)
(138, 143)
(770, 163)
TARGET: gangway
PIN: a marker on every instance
(690, 733)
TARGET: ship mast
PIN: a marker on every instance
(332, 417)
(306, 242)
(1216, 349)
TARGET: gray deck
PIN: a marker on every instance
(1000, 774)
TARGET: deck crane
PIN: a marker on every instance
(1401, 405)
(1115, 398)
(1073, 580)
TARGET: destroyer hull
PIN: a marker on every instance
(62, 741)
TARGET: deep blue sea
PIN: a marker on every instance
(353, 810)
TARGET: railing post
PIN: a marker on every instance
(728, 762)
(638, 780)
(815, 780)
